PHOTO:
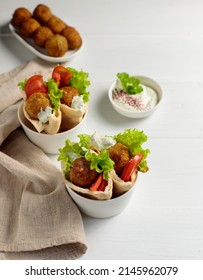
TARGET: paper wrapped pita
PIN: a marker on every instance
(71, 117)
(96, 195)
(119, 186)
(51, 127)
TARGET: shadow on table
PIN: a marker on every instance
(4, 29)
(13, 46)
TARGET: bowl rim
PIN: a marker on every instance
(44, 134)
(138, 113)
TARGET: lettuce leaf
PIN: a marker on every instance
(133, 139)
(100, 162)
(21, 85)
(80, 81)
(69, 153)
(84, 141)
(130, 84)
(55, 94)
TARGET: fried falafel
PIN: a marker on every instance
(41, 35)
(38, 25)
(42, 13)
(20, 15)
(68, 94)
(28, 27)
(56, 45)
(80, 173)
(73, 37)
(35, 103)
(55, 24)
(120, 154)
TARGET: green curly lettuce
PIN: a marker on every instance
(69, 153)
(129, 83)
(100, 162)
(21, 85)
(80, 81)
(133, 139)
(55, 94)
(84, 141)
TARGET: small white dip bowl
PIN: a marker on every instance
(48, 143)
(138, 114)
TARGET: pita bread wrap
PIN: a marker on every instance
(129, 157)
(97, 195)
(86, 171)
(119, 186)
(62, 117)
(76, 86)
(51, 127)
(71, 117)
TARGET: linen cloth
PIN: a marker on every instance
(38, 219)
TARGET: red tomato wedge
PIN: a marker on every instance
(61, 75)
(131, 167)
(99, 185)
(103, 185)
(35, 84)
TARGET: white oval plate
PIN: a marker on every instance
(40, 52)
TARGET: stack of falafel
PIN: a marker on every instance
(46, 30)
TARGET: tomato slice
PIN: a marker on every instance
(96, 184)
(61, 75)
(103, 185)
(99, 185)
(131, 167)
(35, 84)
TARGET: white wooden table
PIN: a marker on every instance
(163, 40)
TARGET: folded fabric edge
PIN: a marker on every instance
(4, 77)
(8, 121)
(63, 252)
(75, 245)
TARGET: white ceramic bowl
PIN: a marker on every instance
(48, 143)
(138, 114)
(101, 208)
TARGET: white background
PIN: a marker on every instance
(161, 39)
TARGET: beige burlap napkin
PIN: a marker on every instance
(38, 219)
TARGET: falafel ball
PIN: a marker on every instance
(28, 27)
(42, 13)
(56, 45)
(41, 35)
(80, 173)
(120, 154)
(73, 37)
(21, 14)
(35, 103)
(56, 24)
(68, 94)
